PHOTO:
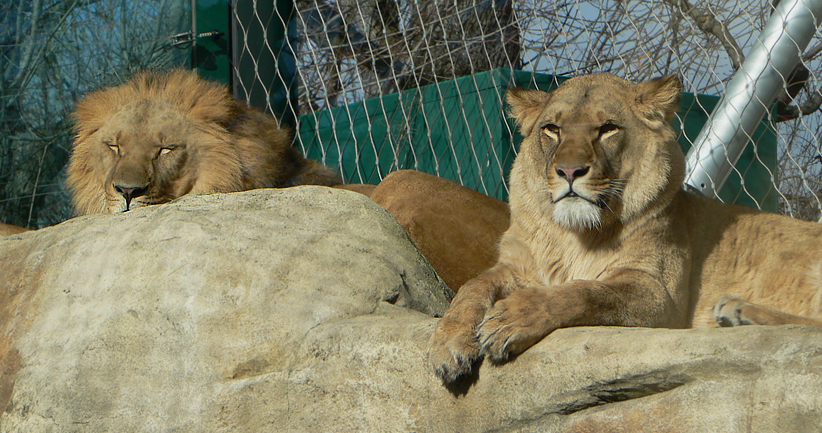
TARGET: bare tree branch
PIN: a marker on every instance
(706, 21)
(813, 52)
(808, 107)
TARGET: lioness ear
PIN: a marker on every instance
(658, 99)
(524, 105)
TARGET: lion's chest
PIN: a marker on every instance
(553, 260)
(572, 264)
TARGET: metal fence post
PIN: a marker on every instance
(750, 92)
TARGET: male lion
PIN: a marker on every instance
(160, 136)
(602, 233)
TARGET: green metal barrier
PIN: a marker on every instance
(457, 129)
(251, 53)
(265, 67)
(210, 55)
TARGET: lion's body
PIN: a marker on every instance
(8, 229)
(763, 258)
(602, 233)
(160, 136)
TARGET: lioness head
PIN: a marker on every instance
(597, 150)
(160, 136)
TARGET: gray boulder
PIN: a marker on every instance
(308, 309)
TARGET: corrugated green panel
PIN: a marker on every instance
(457, 129)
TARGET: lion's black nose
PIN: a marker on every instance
(571, 173)
(130, 192)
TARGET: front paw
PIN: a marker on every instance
(513, 325)
(453, 350)
(728, 312)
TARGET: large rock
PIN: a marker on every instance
(308, 309)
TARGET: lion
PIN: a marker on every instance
(8, 229)
(160, 136)
(603, 233)
(454, 227)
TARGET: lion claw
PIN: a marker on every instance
(494, 338)
(513, 325)
(451, 358)
(456, 367)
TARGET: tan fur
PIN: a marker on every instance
(160, 136)
(631, 248)
(456, 228)
(362, 188)
(8, 229)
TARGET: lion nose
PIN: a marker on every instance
(130, 192)
(571, 173)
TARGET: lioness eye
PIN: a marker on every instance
(115, 148)
(165, 150)
(607, 129)
(552, 131)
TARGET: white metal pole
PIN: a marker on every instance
(750, 92)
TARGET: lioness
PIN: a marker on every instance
(160, 136)
(602, 233)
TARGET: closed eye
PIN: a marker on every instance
(552, 131)
(113, 146)
(607, 129)
(165, 149)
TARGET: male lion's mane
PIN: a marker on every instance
(227, 147)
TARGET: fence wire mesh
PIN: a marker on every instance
(353, 51)
(388, 84)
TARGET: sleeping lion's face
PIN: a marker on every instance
(162, 135)
(144, 152)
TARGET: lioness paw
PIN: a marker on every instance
(728, 312)
(513, 325)
(452, 355)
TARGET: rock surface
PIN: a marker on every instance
(308, 309)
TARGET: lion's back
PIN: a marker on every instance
(763, 257)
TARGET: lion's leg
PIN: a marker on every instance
(626, 298)
(453, 347)
(731, 311)
(518, 322)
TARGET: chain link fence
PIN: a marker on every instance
(353, 56)
(378, 85)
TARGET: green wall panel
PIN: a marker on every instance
(457, 129)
